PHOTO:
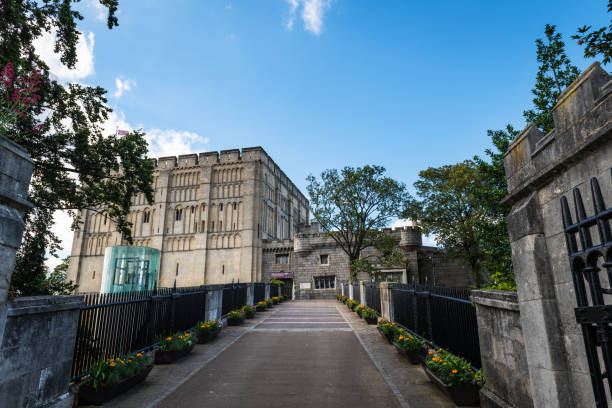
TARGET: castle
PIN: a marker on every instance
(234, 216)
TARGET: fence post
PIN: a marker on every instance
(362, 293)
(386, 300)
(429, 324)
(267, 296)
(213, 302)
(250, 294)
(175, 296)
(350, 286)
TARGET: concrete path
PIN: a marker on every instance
(299, 354)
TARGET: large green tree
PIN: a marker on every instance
(353, 204)
(492, 229)
(555, 73)
(596, 42)
(76, 165)
(449, 208)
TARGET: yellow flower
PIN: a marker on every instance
(168, 338)
(444, 363)
(180, 337)
(129, 361)
(401, 337)
(454, 371)
(186, 334)
(202, 326)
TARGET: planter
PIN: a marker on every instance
(169, 357)
(261, 308)
(249, 315)
(206, 337)
(104, 393)
(462, 395)
(371, 320)
(389, 336)
(415, 357)
(235, 322)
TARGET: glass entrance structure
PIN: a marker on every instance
(129, 268)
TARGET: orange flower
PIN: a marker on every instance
(454, 371)
(112, 364)
(168, 338)
(431, 353)
(139, 355)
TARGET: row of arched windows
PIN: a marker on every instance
(228, 175)
(142, 222)
(96, 244)
(184, 194)
(143, 243)
(99, 222)
(179, 244)
(224, 241)
(226, 191)
(185, 179)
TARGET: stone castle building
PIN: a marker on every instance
(316, 265)
(210, 215)
(234, 216)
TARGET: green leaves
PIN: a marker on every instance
(555, 73)
(353, 204)
(77, 166)
(596, 42)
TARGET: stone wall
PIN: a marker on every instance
(540, 169)
(502, 348)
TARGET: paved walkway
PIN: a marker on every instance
(299, 354)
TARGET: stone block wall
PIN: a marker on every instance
(36, 350)
(540, 169)
(502, 348)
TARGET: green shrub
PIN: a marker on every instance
(451, 369)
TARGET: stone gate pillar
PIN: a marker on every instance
(540, 169)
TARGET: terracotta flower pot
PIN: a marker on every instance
(206, 337)
(462, 395)
(415, 357)
(169, 357)
(89, 396)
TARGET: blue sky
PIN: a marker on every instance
(323, 84)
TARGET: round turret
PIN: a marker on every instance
(411, 236)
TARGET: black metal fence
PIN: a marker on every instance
(372, 294)
(345, 285)
(114, 324)
(259, 292)
(274, 290)
(444, 316)
(356, 291)
(234, 297)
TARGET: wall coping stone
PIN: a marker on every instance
(43, 304)
(500, 299)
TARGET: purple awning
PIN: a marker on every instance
(281, 275)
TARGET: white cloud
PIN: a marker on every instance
(63, 221)
(170, 142)
(100, 10)
(312, 14)
(122, 86)
(228, 6)
(85, 57)
(293, 5)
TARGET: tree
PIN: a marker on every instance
(353, 204)
(386, 254)
(76, 165)
(493, 230)
(450, 209)
(555, 73)
(597, 42)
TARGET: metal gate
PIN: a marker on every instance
(587, 260)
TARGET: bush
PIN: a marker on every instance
(351, 303)
(235, 315)
(248, 310)
(388, 327)
(177, 341)
(359, 308)
(111, 371)
(261, 305)
(409, 342)
(368, 313)
(451, 369)
(206, 327)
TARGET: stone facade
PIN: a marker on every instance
(210, 216)
(540, 169)
(313, 258)
(502, 348)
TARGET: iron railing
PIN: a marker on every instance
(274, 290)
(234, 297)
(259, 292)
(443, 316)
(356, 291)
(113, 324)
(372, 294)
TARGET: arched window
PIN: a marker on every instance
(146, 216)
(178, 214)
